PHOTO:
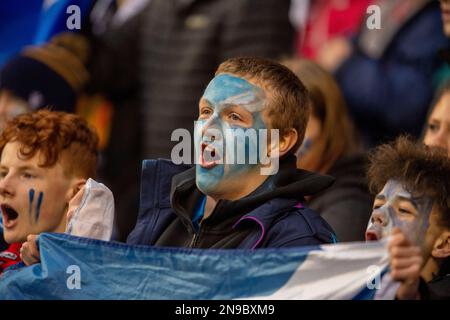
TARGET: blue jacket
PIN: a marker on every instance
(271, 216)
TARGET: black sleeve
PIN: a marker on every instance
(438, 289)
(354, 209)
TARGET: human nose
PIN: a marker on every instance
(438, 140)
(380, 217)
(211, 129)
(6, 188)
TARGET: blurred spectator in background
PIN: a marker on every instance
(443, 73)
(108, 14)
(155, 66)
(437, 131)
(332, 147)
(437, 128)
(51, 75)
(327, 20)
(386, 74)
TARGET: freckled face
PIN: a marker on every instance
(394, 206)
(32, 199)
(230, 108)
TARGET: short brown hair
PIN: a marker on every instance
(288, 108)
(54, 135)
(421, 169)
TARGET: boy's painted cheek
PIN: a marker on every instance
(416, 229)
(249, 148)
(34, 204)
(38, 206)
(30, 201)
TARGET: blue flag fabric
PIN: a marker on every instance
(81, 268)
(31, 22)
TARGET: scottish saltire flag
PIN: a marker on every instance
(81, 268)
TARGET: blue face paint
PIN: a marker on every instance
(384, 218)
(223, 92)
(38, 205)
(227, 89)
(30, 201)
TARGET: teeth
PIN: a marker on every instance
(208, 155)
(208, 149)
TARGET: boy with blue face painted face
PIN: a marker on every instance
(413, 206)
(244, 190)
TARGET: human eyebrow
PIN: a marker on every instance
(27, 168)
(380, 197)
(230, 107)
(408, 200)
(205, 103)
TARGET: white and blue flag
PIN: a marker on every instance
(82, 268)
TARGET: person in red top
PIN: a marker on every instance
(327, 21)
(10, 256)
(46, 158)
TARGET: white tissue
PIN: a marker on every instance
(94, 217)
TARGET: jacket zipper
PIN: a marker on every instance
(191, 245)
(196, 236)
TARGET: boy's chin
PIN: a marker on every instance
(206, 188)
(12, 237)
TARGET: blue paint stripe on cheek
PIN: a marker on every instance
(30, 201)
(38, 205)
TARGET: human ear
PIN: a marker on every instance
(441, 247)
(76, 185)
(287, 141)
(283, 145)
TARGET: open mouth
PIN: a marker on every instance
(9, 216)
(372, 235)
(209, 158)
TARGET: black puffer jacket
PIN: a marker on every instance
(347, 204)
